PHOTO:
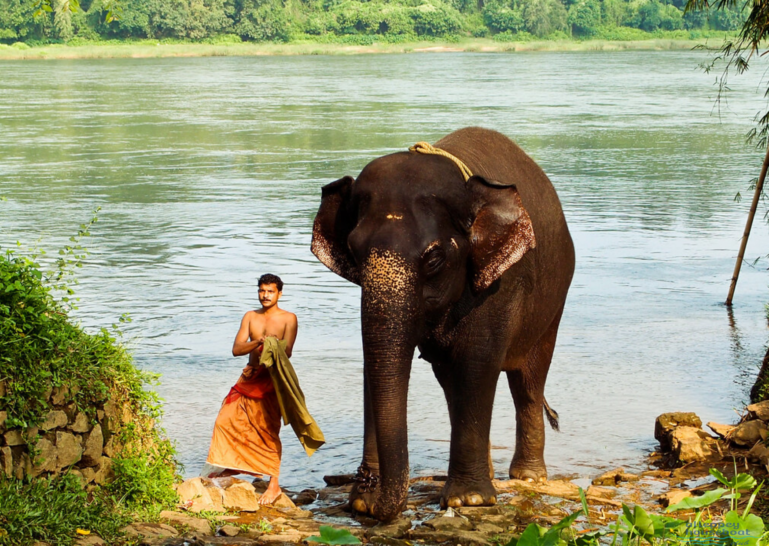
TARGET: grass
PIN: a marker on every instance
(153, 49)
(53, 510)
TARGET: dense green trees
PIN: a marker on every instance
(356, 21)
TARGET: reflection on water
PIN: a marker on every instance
(209, 171)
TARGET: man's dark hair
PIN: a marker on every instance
(269, 278)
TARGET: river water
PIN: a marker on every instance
(208, 172)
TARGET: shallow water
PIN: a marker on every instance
(208, 172)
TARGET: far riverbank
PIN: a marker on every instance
(151, 49)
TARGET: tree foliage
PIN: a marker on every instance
(350, 21)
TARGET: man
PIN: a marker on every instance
(246, 433)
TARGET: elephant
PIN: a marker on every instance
(464, 253)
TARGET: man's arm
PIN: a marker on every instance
(292, 325)
(242, 346)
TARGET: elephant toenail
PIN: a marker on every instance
(359, 505)
(474, 500)
(455, 502)
(530, 480)
(492, 500)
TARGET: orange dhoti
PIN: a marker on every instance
(246, 433)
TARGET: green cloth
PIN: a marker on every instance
(290, 395)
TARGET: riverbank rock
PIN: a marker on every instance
(724, 431)
(759, 411)
(673, 496)
(241, 497)
(667, 422)
(150, 530)
(690, 444)
(614, 477)
(197, 526)
(748, 433)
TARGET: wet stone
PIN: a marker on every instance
(306, 496)
(229, 530)
(430, 536)
(443, 523)
(395, 529)
(339, 479)
(488, 528)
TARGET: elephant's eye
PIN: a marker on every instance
(435, 260)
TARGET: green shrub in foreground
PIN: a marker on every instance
(51, 510)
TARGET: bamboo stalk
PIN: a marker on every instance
(748, 226)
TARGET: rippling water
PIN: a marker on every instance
(208, 172)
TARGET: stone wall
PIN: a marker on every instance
(81, 440)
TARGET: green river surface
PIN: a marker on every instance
(208, 172)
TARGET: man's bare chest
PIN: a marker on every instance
(261, 326)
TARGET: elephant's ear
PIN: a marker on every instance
(331, 228)
(501, 232)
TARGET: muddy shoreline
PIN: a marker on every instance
(150, 49)
(226, 511)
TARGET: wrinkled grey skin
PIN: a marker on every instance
(475, 274)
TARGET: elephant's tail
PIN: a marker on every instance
(552, 416)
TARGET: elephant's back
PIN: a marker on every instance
(492, 155)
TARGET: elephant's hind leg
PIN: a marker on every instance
(527, 385)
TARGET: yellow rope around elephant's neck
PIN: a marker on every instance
(425, 148)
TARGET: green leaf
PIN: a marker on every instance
(330, 535)
(743, 481)
(530, 536)
(643, 523)
(743, 531)
(693, 503)
(628, 514)
(585, 509)
(720, 477)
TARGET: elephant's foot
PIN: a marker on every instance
(365, 490)
(530, 472)
(461, 493)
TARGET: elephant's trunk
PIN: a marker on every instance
(388, 315)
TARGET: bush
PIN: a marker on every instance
(500, 17)
(436, 20)
(42, 349)
(261, 21)
(51, 510)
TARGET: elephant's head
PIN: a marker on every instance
(415, 236)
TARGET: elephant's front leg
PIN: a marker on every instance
(473, 387)
(363, 492)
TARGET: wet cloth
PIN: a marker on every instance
(247, 430)
(290, 395)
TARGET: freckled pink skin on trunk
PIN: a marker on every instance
(388, 301)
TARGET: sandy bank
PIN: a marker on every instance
(149, 50)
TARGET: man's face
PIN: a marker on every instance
(269, 295)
